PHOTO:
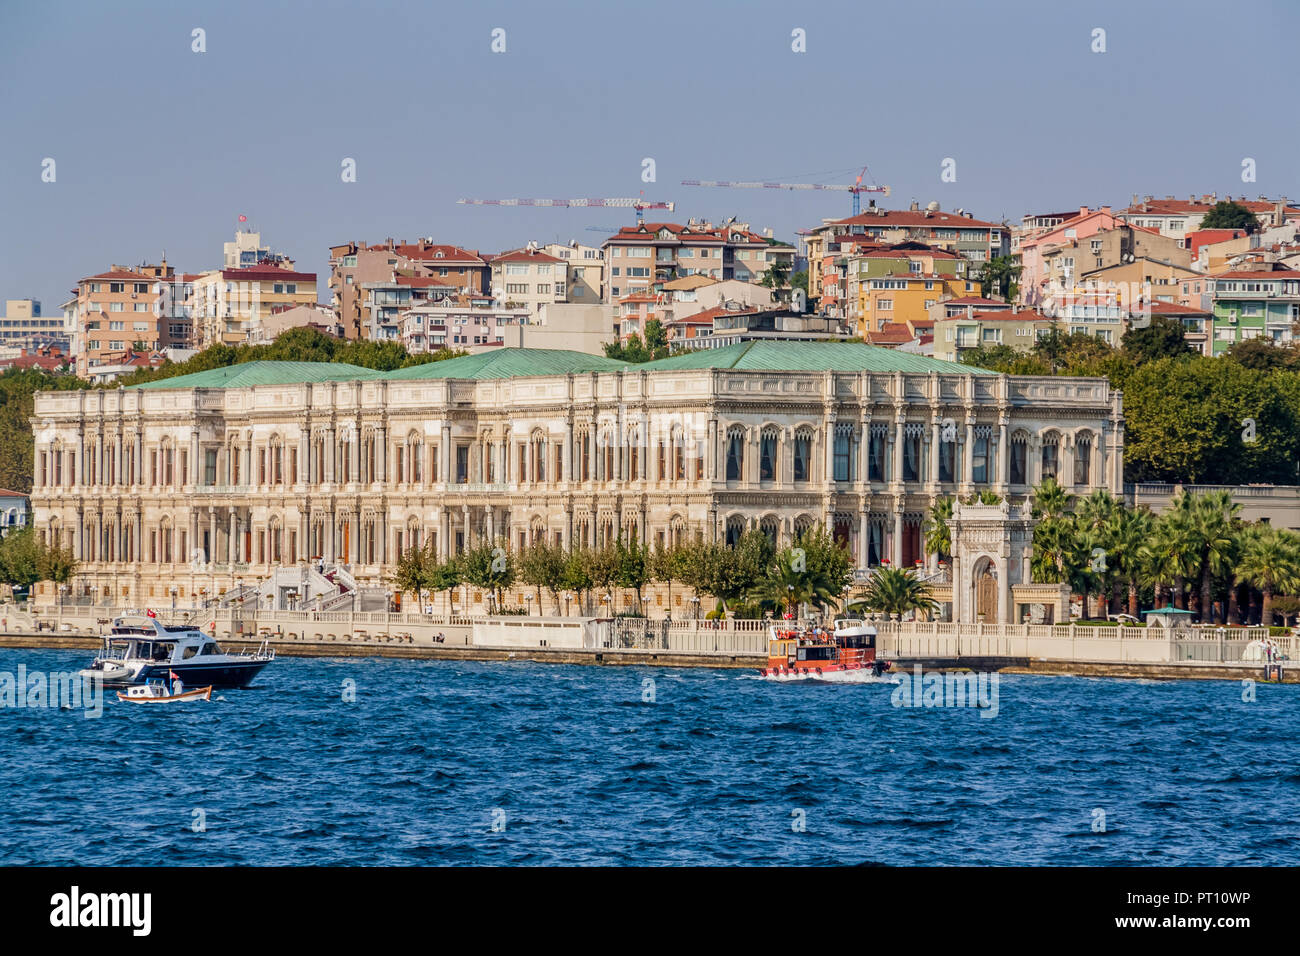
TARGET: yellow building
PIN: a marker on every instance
(228, 304)
(904, 282)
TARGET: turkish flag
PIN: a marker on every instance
(243, 219)
(150, 612)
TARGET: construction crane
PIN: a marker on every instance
(857, 189)
(636, 203)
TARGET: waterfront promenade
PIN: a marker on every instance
(1089, 650)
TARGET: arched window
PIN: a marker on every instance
(912, 452)
(979, 472)
(1051, 457)
(735, 528)
(736, 454)
(767, 463)
(1083, 460)
(1019, 458)
(803, 455)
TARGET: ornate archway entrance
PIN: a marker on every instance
(986, 592)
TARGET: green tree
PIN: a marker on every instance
(445, 576)
(1271, 563)
(896, 591)
(1226, 214)
(1162, 338)
(634, 349)
(1261, 355)
(20, 556)
(542, 565)
(799, 280)
(575, 576)
(632, 567)
(490, 567)
(998, 277)
(1214, 529)
(938, 536)
(412, 572)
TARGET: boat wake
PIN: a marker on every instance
(862, 676)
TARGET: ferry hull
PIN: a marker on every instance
(835, 674)
(218, 675)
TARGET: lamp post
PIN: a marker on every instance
(695, 608)
(173, 590)
(529, 598)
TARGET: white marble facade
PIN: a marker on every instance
(198, 488)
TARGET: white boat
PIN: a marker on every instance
(157, 692)
(142, 647)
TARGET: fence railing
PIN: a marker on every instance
(920, 639)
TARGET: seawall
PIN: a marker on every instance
(1182, 670)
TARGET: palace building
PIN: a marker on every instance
(195, 483)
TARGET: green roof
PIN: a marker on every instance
(812, 357)
(265, 373)
(511, 362)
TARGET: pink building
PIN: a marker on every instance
(1033, 274)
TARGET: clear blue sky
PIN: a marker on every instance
(159, 148)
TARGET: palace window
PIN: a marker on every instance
(802, 456)
(1018, 457)
(1051, 457)
(980, 460)
(1083, 461)
(735, 455)
(767, 456)
(876, 456)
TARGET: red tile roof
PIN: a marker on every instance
(423, 282)
(1024, 315)
(1179, 207)
(708, 315)
(891, 332)
(268, 272)
(1171, 308)
(892, 253)
(429, 252)
(975, 300)
(525, 255)
(915, 217)
(120, 274)
(1257, 274)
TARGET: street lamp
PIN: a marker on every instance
(173, 590)
(695, 606)
(529, 598)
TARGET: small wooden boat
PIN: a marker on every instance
(846, 654)
(157, 692)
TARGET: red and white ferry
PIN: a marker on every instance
(847, 653)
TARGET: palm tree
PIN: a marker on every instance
(895, 591)
(1093, 518)
(1271, 562)
(1169, 554)
(1245, 533)
(1213, 523)
(938, 538)
(1051, 500)
(1129, 532)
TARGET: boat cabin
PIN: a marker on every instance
(156, 642)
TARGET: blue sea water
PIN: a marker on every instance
(518, 763)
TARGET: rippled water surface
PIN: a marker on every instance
(573, 766)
